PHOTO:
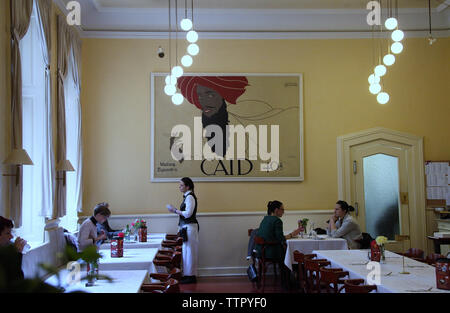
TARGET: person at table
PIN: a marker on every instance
(104, 227)
(87, 234)
(13, 272)
(271, 230)
(188, 228)
(342, 225)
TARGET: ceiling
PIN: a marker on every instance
(261, 4)
(255, 19)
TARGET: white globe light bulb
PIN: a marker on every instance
(391, 23)
(380, 70)
(193, 49)
(177, 71)
(192, 36)
(186, 60)
(171, 80)
(177, 99)
(374, 79)
(389, 59)
(170, 90)
(186, 24)
(397, 47)
(383, 98)
(375, 88)
(397, 35)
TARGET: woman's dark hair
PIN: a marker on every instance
(102, 209)
(188, 182)
(272, 206)
(345, 207)
(5, 223)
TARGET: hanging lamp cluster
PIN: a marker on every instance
(394, 47)
(187, 25)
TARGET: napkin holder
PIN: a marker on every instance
(117, 247)
(375, 252)
(443, 273)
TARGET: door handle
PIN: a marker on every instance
(356, 209)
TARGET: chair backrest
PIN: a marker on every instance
(365, 241)
(315, 265)
(415, 253)
(431, 258)
(172, 286)
(250, 231)
(354, 286)
(301, 257)
(332, 275)
(175, 273)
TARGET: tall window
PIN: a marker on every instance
(33, 93)
(73, 124)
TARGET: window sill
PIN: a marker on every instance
(37, 245)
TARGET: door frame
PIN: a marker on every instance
(416, 177)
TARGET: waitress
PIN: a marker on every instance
(188, 228)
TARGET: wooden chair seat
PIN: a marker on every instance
(431, 258)
(174, 273)
(170, 286)
(355, 286)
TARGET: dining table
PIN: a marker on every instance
(129, 281)
(308, 244)
(397, 274)
(154, 240)
(133, 259)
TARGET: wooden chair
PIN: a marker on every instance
(174, 273)
(333, 276)
(431, 258)
(264, 262)
(300, 259)
(312, 268)
(354, 286)
(170, 286)
(414, 253)
(172, 236)
(172, 243)
(173, 261)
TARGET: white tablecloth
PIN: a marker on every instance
(123, 282)
(153, 241)
(133, 259)
(422, 276)
(307, 246)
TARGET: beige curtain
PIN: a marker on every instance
(63, 57)
(44, 11)
(75, 43)
(20, 21)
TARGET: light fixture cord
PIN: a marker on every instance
(185, 8)
(170, 40)
(192, 12)
(429, 14)
(176, 32)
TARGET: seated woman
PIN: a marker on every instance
(13, 272)
(271, 229)
(105, 228)
(342, 225)
(87, 235)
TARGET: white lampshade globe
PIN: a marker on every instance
(397, 47)
(391, 23)
(171, 80)
(383, 98)
(186, 24)
(193, 49)
(389, 59)
(397, 35)
(186, 60)
(374, 79)
(192, 36)
(380, 70)
(375, 88)
(177, 71)
(177, 99)
(170, 90)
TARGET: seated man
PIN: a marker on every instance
(104, 227)
(87, 234)
(13, 272)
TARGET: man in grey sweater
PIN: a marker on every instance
(87, 234)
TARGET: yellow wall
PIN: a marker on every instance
(116, 115)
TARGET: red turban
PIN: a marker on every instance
(229, 87)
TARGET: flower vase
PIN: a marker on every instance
(383, 257)
(143, 234)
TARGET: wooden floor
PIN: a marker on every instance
(229, 284)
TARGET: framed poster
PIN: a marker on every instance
(228, 127)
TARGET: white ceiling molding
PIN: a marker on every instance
(101, 22)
